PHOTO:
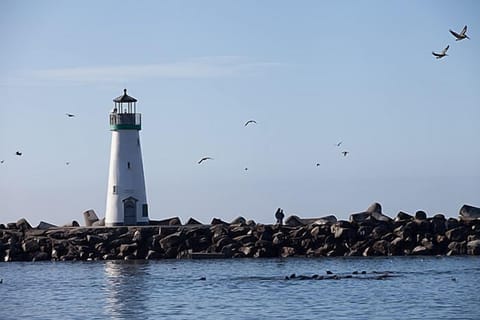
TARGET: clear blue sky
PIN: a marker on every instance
(311, 73)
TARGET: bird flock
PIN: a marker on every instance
(458, 36)
(317, 164)
(20, 153)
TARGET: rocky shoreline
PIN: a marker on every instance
(368, 233)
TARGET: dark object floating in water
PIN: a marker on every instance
(203, 278)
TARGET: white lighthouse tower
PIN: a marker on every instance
(126, 196)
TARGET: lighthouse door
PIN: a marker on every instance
(130, 211)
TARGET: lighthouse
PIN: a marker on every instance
(126, 196)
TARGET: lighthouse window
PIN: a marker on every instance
(115, 189)
(128, 165)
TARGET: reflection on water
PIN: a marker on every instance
(126, 288)
(421, 288)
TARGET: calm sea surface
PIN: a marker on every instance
(420, 288)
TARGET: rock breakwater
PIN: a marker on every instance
(368, 233)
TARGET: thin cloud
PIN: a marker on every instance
(204, 67)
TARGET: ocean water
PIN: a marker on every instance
(418, 288)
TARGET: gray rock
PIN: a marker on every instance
(374, 207)
(468, 212)
(457, 234)
(30, 245)
(90, 217)
(71, 224)
(192, 221)
(294, 221)
(473, 247)
(171, 241)
(420, 250)
(128, 249)
(288, 252)
(23, 225)
(360, 217)
(381, 217)
(216, 221)
(239, 220)
(403, 216)
(45, 225)
(99, 223)
(420, 215)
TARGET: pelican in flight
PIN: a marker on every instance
(443, 53)
(345, 153)
(70, 115)
(203, 159)
(460, 36)
(248, 122)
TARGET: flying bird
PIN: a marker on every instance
(2, 161)
(246, 169)
(318, 164)
(69, 115)
(67, 163)
(248, 122)
(203, 159)
(441, 54)
(460, 36)
(338, 144)
(345, 153)
(18, 153)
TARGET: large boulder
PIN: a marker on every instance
(193, 221)
(403, 216)
(23, 225)
(360, 217)
(99, 223)
(469, 213)
(420, 215)
(374, 207)
(473, 247)
(90, 217)
(45, 225)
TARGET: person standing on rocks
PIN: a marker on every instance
(279, 215)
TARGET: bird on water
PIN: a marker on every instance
(441, 54)
(204, 159)
(460, 36)
(248, 122)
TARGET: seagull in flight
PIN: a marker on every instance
(2, 161)
(248, 122)
(203, 159)
(460, 36)
(67, 163)
(318, 164)
(443, 53)
(345, 153)
(70, 115)
(18, 153)
(338, 144)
